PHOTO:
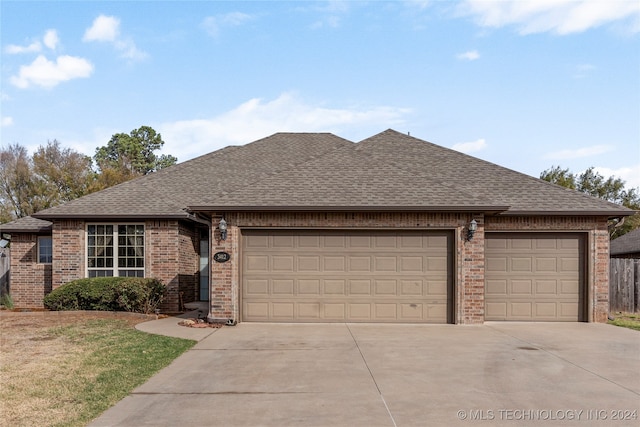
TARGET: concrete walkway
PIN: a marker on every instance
(516, 374)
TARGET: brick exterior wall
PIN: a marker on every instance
(469, 262)
(30, 281)
(69, 261)
(171, 255)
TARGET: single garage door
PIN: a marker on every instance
(346, 276)
(535, 277)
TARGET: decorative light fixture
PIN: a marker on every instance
(473, 227)
(222, 226)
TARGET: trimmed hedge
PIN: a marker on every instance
(108, 294)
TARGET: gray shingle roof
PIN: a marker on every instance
(27, 224)
(626, 244)
(320, 171)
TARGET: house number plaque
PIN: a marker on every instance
(221, 257)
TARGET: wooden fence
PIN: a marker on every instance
(624, 285)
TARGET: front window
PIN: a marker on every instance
(115, 250)
(45, 249)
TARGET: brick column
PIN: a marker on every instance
(470, 306)
(224, 275)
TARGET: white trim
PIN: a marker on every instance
(114, 269)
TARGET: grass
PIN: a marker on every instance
(626, 320)
(75, 372)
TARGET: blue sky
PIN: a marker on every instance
(524, 84)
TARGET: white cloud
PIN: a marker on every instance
(51, 39)
(629, 174)
(470, 147)
(577, 153)
(470, 55)
(556, 16)
(107, 29)
(103, 29)
(6, 121)
(256, 119)
(213, 24)
(45, 73)
(14, 49)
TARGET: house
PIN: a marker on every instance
(626, 246)
(310, 227)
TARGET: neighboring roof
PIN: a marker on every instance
(27, 224)
(626, 244)
(390, 171)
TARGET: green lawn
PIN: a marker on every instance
(626, 320)
(68, 375)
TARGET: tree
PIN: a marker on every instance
(52, 176)
(16, 186)
(611, 189)
(66, 174)
(133, 154)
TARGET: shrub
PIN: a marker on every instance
(108, 294)
(6, 301)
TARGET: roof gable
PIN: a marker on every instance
(320, 171)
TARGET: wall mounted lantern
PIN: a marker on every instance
(222, 226)
(473, 227)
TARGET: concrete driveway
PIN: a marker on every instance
(395, 375)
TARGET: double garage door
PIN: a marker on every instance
(346, 276)
(353, 276)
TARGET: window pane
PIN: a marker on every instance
(125, 250)
(45, 249)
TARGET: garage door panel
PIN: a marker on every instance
(308, 310)
(569, 264)
(385, 264)
(332, 264)
(360, 263)
(361, 241)
(346, 276)
(386, 287)
(495, 310)
(521, 264)
(411, 263)
(436, 289)
(385, 242)
(335, 311)
(546, 264)
(547, 287)
(257, 287)
(307, 263)
(334, 241)
(334, 287)
(496, 264)
(436, 264)
(496, 287)
(521, 287)
(282, 286)
(257, 263)
(543, 279)
(282, 263)
(309, 287)
(283, 241)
